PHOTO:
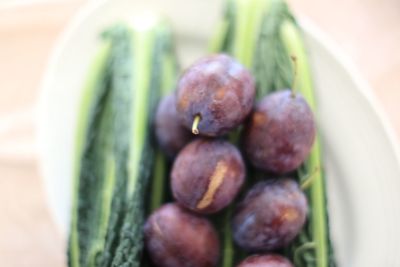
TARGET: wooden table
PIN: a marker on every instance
(367, 30)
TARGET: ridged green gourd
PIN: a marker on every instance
(115, 151)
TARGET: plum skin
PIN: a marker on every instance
(207, 175)
(271, 215)
(280, 132)
(171, 135)
(175, 237)
(268, 260)
(218, 89)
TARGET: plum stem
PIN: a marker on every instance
(298, 253)
(195, 124)
(308, 181)
(294, 60)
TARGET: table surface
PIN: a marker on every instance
(366, 30)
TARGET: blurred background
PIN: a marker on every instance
(367, 31)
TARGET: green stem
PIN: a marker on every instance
(217, 41)
(142, 44)
(158, 182)
(168, 73)
(227, 258)
(294, 45)
(247, 27)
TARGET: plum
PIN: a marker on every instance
(175, 237)
(170, 133)
(207, 175)
(271, 215)
(269, 260)
(215, 95)
(280, 132)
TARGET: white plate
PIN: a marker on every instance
(362, 161)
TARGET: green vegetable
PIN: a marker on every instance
(313, 247)
(94, 116)
(169, 65)
(263, 35)
(115, 152)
